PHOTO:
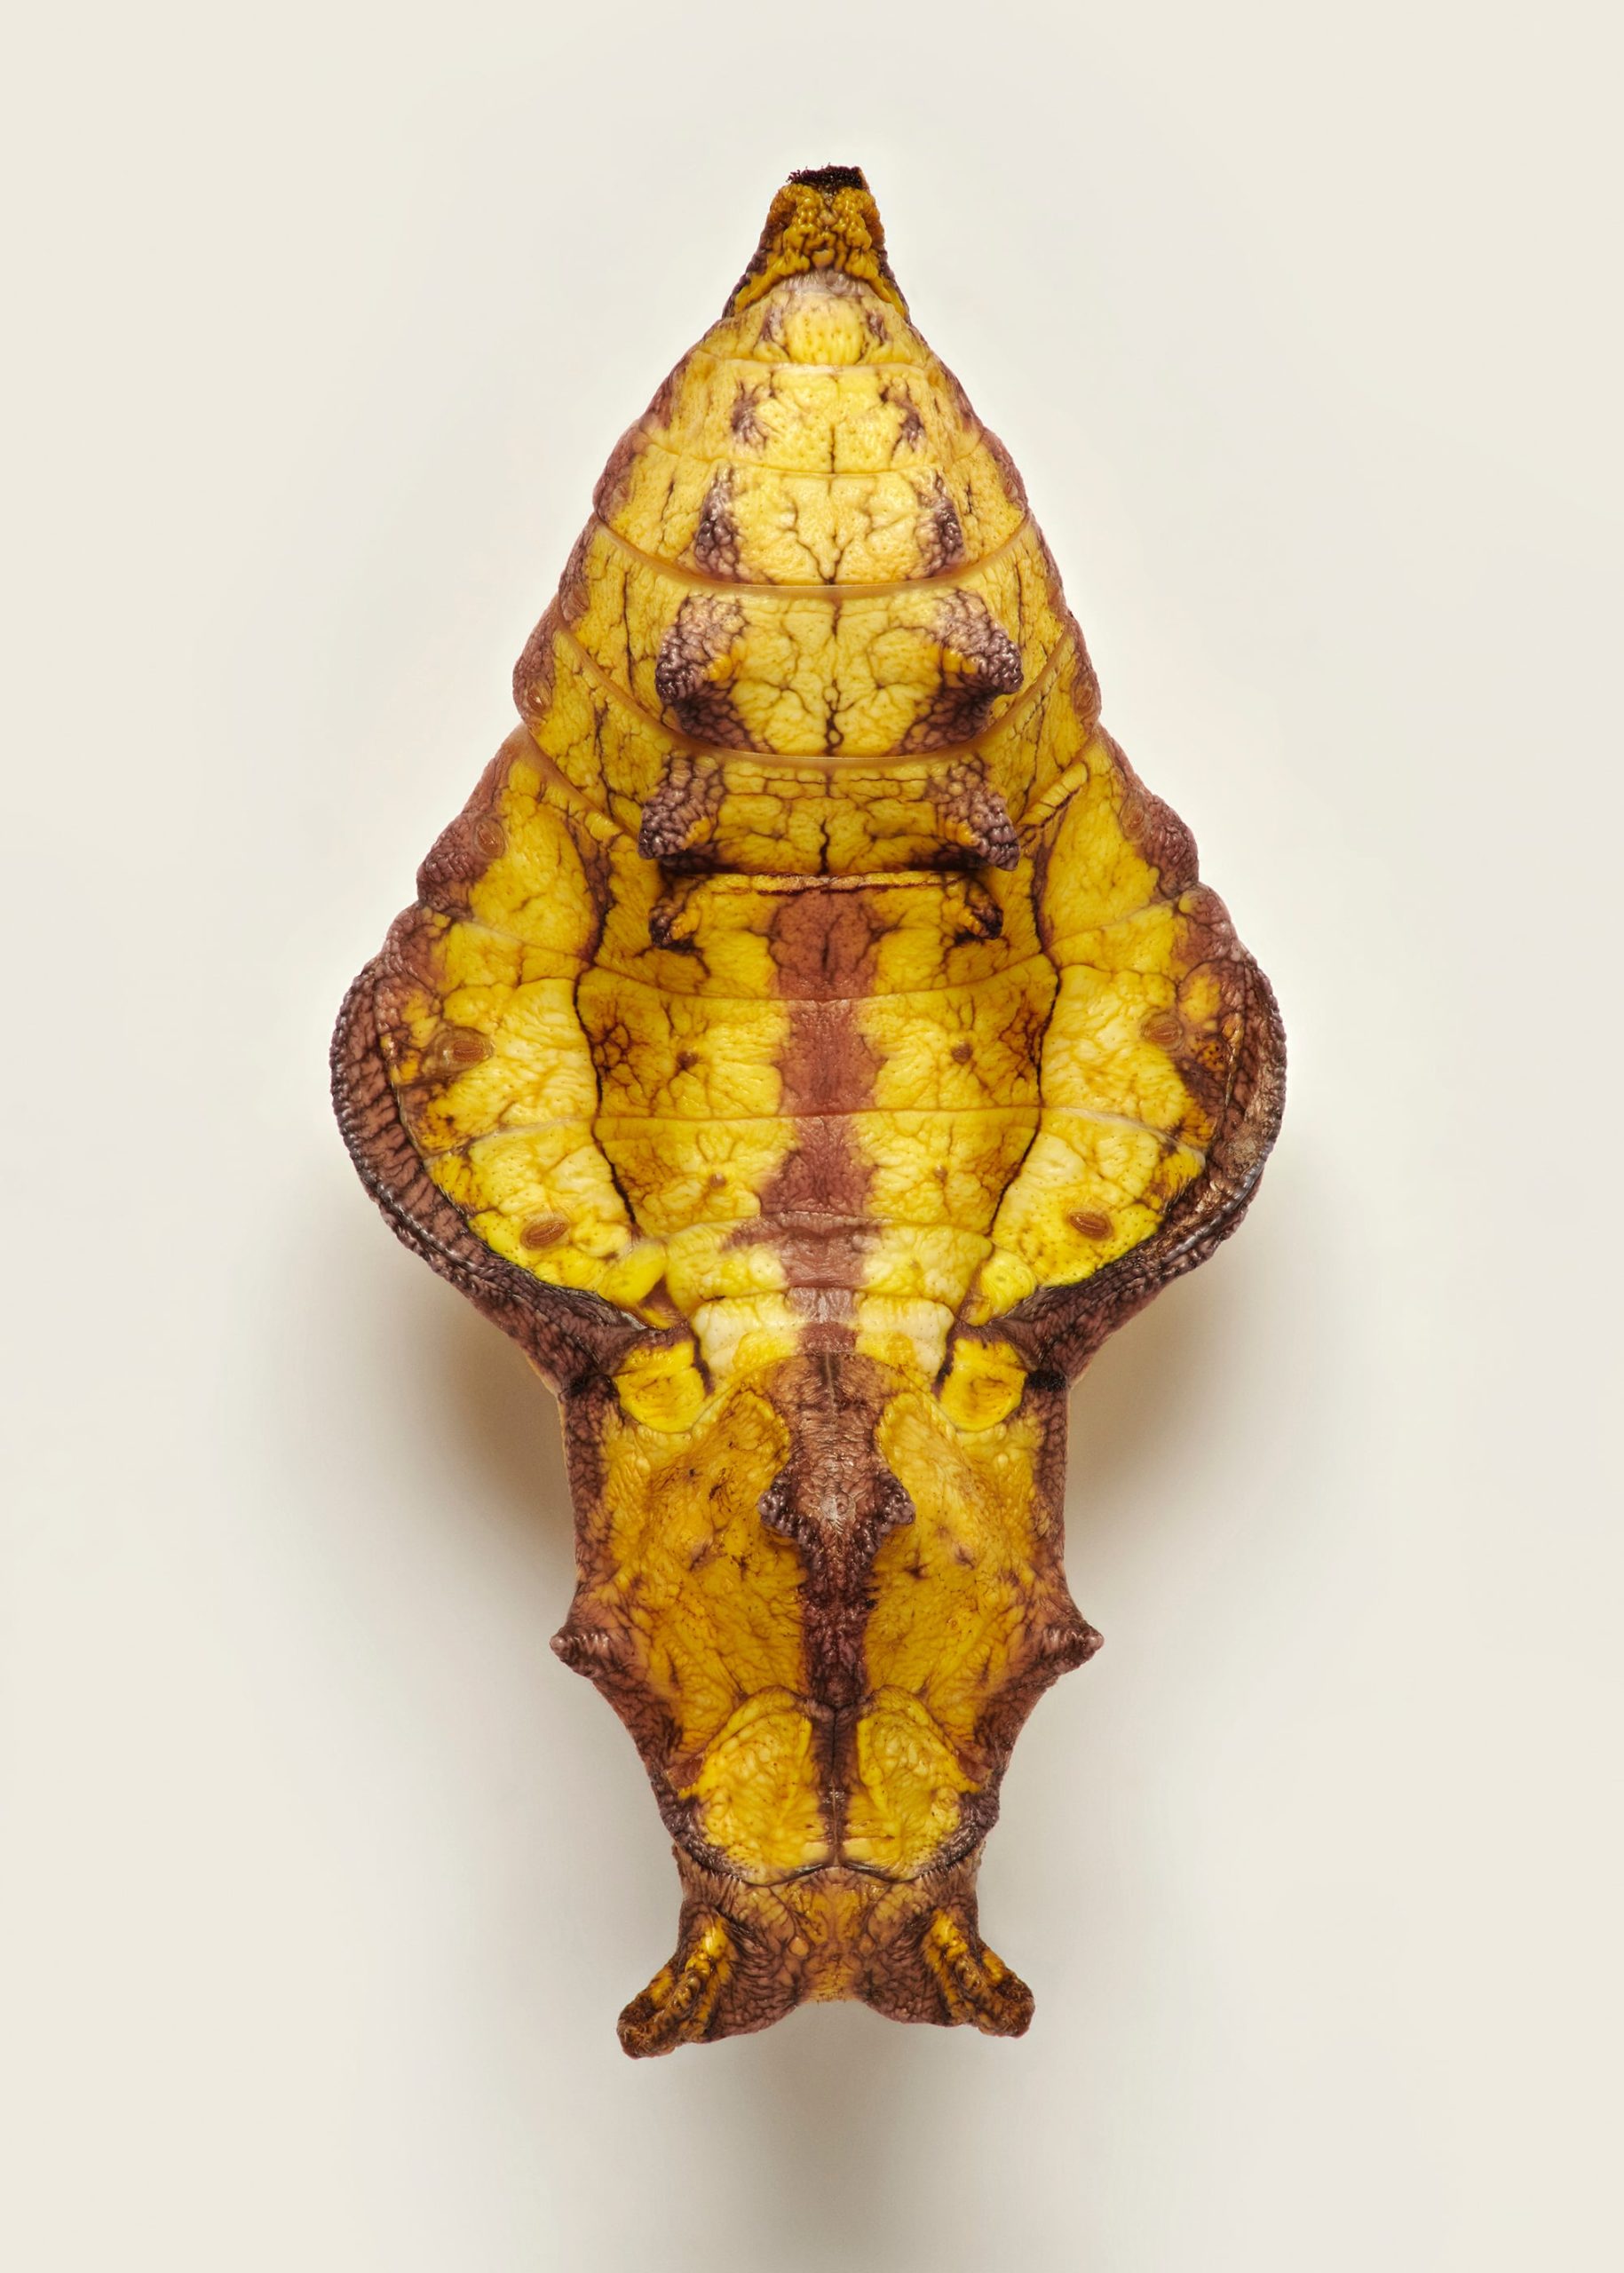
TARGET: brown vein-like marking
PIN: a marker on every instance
(529, 680)
(979, 662)
(715, 542)
(743, 420)
(643, 439)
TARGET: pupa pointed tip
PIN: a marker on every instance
(824, 216)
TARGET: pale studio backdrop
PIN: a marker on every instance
(323, 1880)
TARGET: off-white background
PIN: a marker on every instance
(323, 1882)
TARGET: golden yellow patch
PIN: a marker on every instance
(757, 1789)
(984, 1385)
(954, 1589)
(903, 1801)
(661, 1387)
(708, 1595)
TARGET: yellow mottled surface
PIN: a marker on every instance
(973, 1541)
(710, 1596)
(759, 1789)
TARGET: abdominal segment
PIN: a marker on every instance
(823, 1613)
(810, 1041)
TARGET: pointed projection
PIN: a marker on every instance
(810, 1042)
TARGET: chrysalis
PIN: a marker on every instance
(810, 1042)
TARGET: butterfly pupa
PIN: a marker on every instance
(810, 1042)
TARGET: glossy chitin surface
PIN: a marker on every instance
(810, 1042)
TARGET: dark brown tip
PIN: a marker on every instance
(827, 179)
